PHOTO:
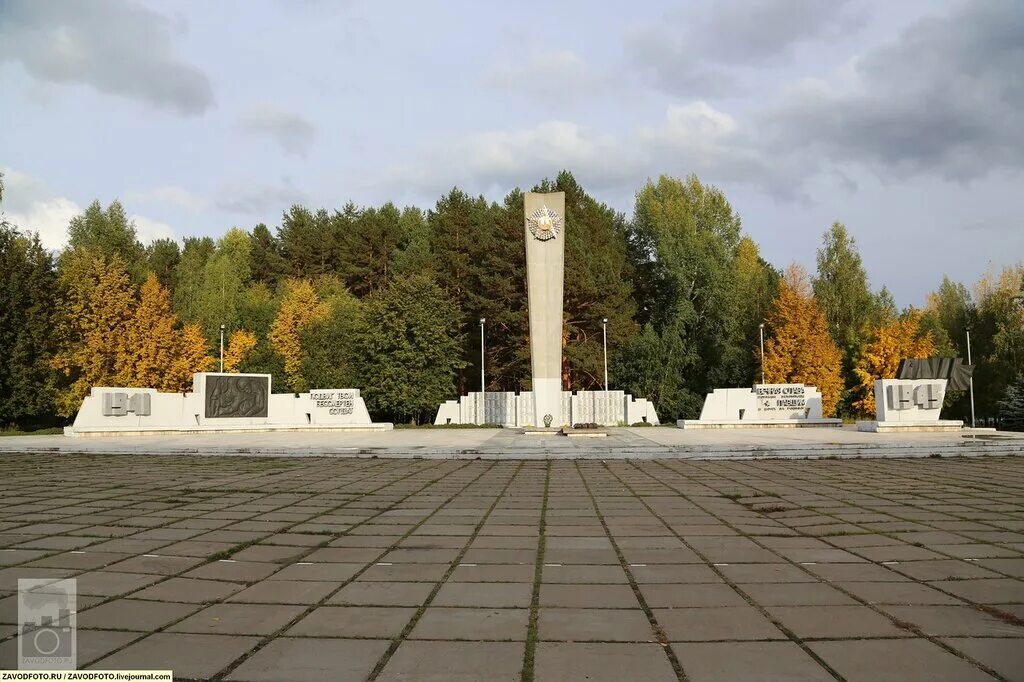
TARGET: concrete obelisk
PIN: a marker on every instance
(545, 272)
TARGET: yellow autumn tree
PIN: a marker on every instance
(800, 348)
(150, 342)
(890, 343)
(155, 351)
(193, 356)
(240, 344)
(300, 305)
(96, 312)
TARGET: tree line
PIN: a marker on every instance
(389, 299)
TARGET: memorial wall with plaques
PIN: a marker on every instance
(220, 402)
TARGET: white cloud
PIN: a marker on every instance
(290, 130)
(30, 205)
(168, 195)
(552, 76)
(113, 46)
(147, 229)
(692, 138)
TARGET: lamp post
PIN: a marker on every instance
(482, 384)
(971, 380)
(604, 328)
(760, 329)
(222, 348)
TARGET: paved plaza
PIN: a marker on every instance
(270, 568)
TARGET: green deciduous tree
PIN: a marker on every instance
(29, 293)
(410, 349)
(108, 233)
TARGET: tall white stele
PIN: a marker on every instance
(545, 271)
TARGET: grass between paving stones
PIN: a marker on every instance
(532, 635)
(404, 634)
(919, 632)
(266, 639)
(659, 632)
(372, 471)
(741, 592)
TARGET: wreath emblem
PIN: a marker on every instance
(544, 223)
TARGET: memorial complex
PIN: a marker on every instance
(547, 405)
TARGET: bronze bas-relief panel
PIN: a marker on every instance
(236, 396)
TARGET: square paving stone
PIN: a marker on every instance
(239, 619)
(242, 571)
(382, 622)
(318, 572)
(383, 594)
(796, 594)
(492, 573)
(285, 592)
(672, 573)
(500, 595)
(766, 573)
(81, 560)
(898, 593)
(268, 553)
(110, 584)
(592, 596)
(761, 661)
(311, 660)
(189, 656)
(344, 555)
(600, 662)
(835, 621)
(948, 569)
(953, 621)
(896, 660)
(598, 625)
(985, 590)
(157, 565)
(1005, 656)
(707, 624)
(448, 661)
(405, 572)
(696, 594)
(189, 590)
(133, 614)
(92, 644)
(481, 624)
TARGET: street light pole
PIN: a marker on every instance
(482, 384)
(971, 380)
(760, 329)
(222, 348)
(604, 326)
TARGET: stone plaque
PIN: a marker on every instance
(335, 403)
(236, 395)
(781, 401)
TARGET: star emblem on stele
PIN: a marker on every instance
(544, 223)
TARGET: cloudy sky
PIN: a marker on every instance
(903, 120)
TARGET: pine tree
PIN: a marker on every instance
(1011, 407)
(162, 258)
(800, 348)
(889, 343)
(300, 306)
(266, 263)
